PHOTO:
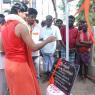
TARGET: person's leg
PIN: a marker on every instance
(51, 62)
(46, 61)
(81, 63)
(3, 84)
(45, 67)
(63, 53)
(82, 74)
(37, 64)
(80, 70)
(86, 60)
(72, 57)
(85, 70)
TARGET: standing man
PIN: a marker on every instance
(84, 44)
(59, 23)
(32, 13)
(3, 84)
(73, 32)
(49, 50)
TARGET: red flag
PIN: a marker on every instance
(80, 9)
(86, 6)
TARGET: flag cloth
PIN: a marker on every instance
(86, 6)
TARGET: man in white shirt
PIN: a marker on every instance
(49, 49)
(3, 84)
(32, 13)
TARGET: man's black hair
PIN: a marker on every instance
(32, 11)
(21, 7)
(49, 17)
(59, 20)
(43, 23)
(2, 16)
(37, 21)
(72, 17)
(2, 19)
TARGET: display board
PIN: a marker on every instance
(65, 75)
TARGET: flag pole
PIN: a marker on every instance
(67, 29)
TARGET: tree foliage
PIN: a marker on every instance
(91, 12)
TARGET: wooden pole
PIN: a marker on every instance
(30, 3)
(67, 29)
(54, 6)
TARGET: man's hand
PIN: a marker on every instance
(87, 43)
(50, 39)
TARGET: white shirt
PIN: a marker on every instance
(1, 61)
(1, 57)
(35, 37)
(51, 31)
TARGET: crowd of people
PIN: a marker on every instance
(23, 41)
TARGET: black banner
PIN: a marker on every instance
(65, 75)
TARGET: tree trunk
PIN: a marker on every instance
(54, 6)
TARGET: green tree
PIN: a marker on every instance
(81, 15)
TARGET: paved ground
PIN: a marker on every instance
(85, 87)
(81, 87)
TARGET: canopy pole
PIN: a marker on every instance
(67, 29)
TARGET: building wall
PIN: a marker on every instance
(1, 1)
(44, 8)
